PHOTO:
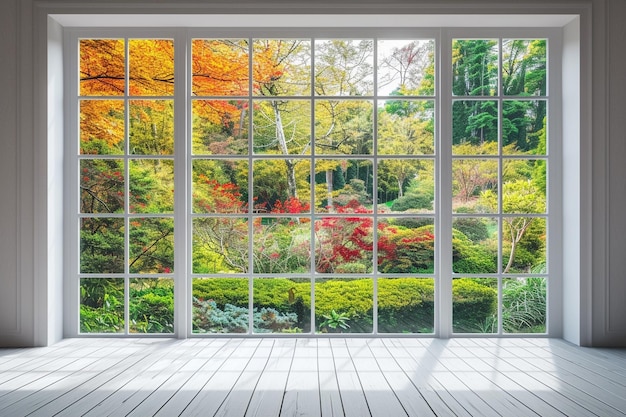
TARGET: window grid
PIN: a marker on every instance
(314, 215)
(439, 209)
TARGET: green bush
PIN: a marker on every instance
(524, 305)
(413, 202)
(209, 318)
(475, 229)
(469, 257)
(474, 306)
(152, 309)
(405, 304)
(414, 251)
(222, 291)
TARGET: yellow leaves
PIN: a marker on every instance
(151, 71)
(102, 67)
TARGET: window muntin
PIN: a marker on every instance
(126, 170)
(252, 157)
(499, 185)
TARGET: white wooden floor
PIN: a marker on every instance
(312, 377)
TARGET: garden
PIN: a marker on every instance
(313, 199)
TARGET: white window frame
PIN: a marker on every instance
(443, 214)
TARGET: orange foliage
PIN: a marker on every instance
(102, 120)
(220, 67)
(102, 68)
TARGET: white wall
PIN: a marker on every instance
(11, 328)
(30, 268)
(609, 285)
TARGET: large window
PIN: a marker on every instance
(311, 182)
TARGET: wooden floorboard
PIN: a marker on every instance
(274, 377)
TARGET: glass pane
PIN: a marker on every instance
(406, 127)
(151, 127)
(343, 185)
(406, 245)
(282, 245)
(475, 185)
(220, 245)
(151, 67)
(101, 305)
(344, 67)
(475, 67)
(281, 185)
(151, 305)
(220, 186)
(343, 245)
(282, 67)
(344, 305)
(475, 305)
(406, 305)
(220, 305)
(524, 305)
(102, 67)
(151, 243)
(524, 67)
(102, 127)
(406, 67)
(475, 245)
(101, 185)
(524, 127)
(219, 67)
(406, 185)
(524, 242)
(475, 127)
(282, 127)
(282, 305)
(343, 127)
(220, 127)
(524, 186)
(102, 245)
(151, 186)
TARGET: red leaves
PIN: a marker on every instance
(292, 205)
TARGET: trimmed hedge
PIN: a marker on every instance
(474, 307)
(405, 304)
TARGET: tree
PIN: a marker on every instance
(475, 67)
(403, 67)
(281, 68)
(471, 176)
(518, 197)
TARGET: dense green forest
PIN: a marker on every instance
(374, 152)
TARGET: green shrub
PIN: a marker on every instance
(95, 320)
(524, 305)
(414, 251)
(413, 202)
(411, 222)
(405, 304)
(475, 229)
(469, 257)
(474, 306)
(222, 291)
(151, 310)
(209, 318)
